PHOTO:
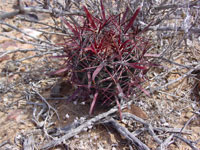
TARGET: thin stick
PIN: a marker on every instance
(127, 134)
(188, 142)
(149, 126)
(166, 143)
(27, 10)
(80, 128)
(43, 99)
(176, 80)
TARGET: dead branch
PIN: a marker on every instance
(128, 135)
(175, 6)
(9, 15)
(25, 41)
(28, 143)
(166, 143)
(177, 64)
(188, 122)
(172, 130)
(38, 22)
(188, 142)
(17, 29)
(4, 143)
(148, 126)
(17, 50)
(45, 101)
(80, 128)
(27, 10)
(52, 11)
(197, 113)
(37, 117)
(169, 28)
(176, 80)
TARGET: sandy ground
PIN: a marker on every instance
(171, 107)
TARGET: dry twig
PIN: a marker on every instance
(128, 135)
(80, 128)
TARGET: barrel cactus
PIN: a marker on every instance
(105, 56)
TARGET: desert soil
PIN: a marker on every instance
(169, 107)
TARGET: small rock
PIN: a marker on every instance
(113, 139)
(113, 148)
(188, 115)
(85, 129)
(166, 124)
(90, 127)
(22, 69)
(136, 111)
(54, 54)
(5, 99)
(189, 42)
(163, 120)
(33, 33)
(125, 121)
(82, 119)
(75, 102)
(76, 136)
(6, 28)
(67, 116)
(58, 149)
(82, 103)
(100, 147)
(95, 137)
